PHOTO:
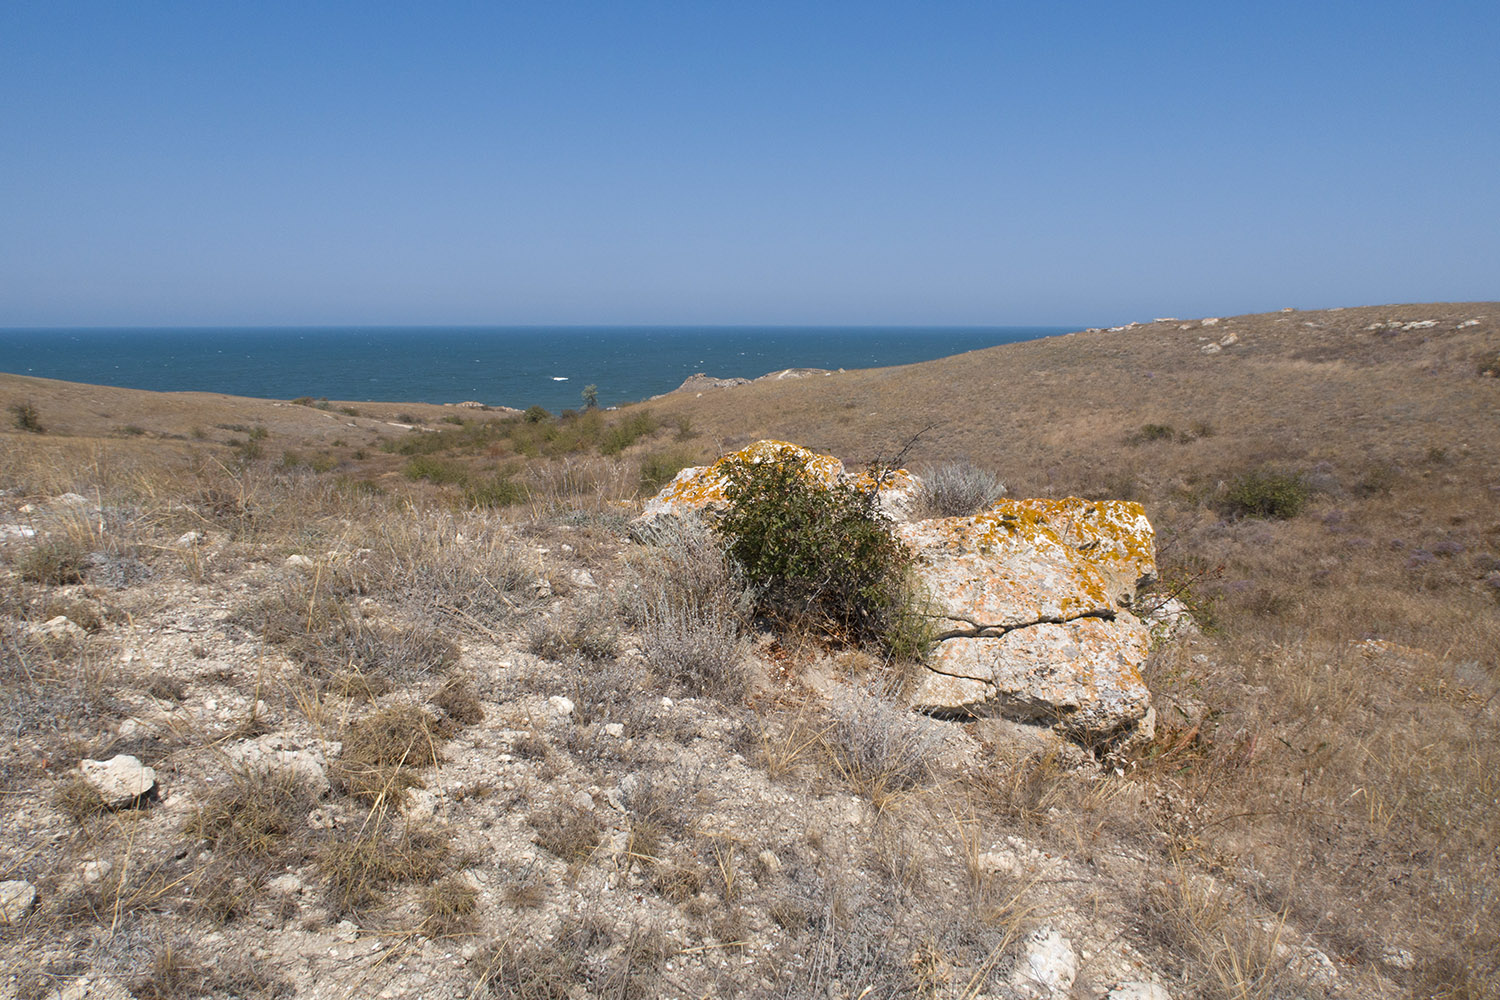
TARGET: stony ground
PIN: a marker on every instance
(567, 819)
(402, 743)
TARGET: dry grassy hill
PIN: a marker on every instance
(393, 603)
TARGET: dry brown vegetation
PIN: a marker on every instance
(720, 810)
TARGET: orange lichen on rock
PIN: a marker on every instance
(1031, 601)
(703, 487)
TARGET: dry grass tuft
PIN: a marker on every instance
(56, 560)
(382, 751)
(957, 489)
(449, 906)
(362, 865)
(255, 815)
(590, 629)
(516, 971)
(571, 834)
(458, 701)
(699, 648)
(880, 749)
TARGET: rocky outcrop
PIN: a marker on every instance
(1031, 600)
(701, 488)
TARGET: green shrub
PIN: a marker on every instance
(1267, 494)
(659, 468)
(536, 414)
(27, 418)
(626, 432)
(821, 558)
(497, 491)
(435, 470)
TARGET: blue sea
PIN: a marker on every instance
(500, 366)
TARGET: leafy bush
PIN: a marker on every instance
(1155, 432)
(27, 418)
(435, 470)
(626, 432)
(536, 414)
(497, 491)
(818, 557)
(1267, 494)
(959, 489)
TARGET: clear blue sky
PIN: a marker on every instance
(756, 162)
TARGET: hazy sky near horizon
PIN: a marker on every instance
(743, 163)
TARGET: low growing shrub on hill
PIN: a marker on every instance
(1266, 493)
(822, 558)
(27, 418)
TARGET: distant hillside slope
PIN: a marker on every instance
(1053, 414)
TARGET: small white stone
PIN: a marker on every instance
(299, 561)
(1049, 965)
(421, 804)
(16, 900)
(614, 729)
(1139, 991)
(120, 781)
(189, 539)
(560, 705)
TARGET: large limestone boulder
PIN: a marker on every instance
(1031, 602)
(1031, 599)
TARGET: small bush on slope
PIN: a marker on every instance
(959, 489)
(822, 558)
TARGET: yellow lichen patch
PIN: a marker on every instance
(889, 479)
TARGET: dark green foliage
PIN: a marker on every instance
(435, 470)
(27, 418)
(497, 491)
(590, 397)
(626, 432)
(1267, 494)
(536, 414)
(817, 557)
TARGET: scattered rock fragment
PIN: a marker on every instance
(122, 781)
(56, 630)
(1139, 991)
(1048, 966)
(17, 897)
